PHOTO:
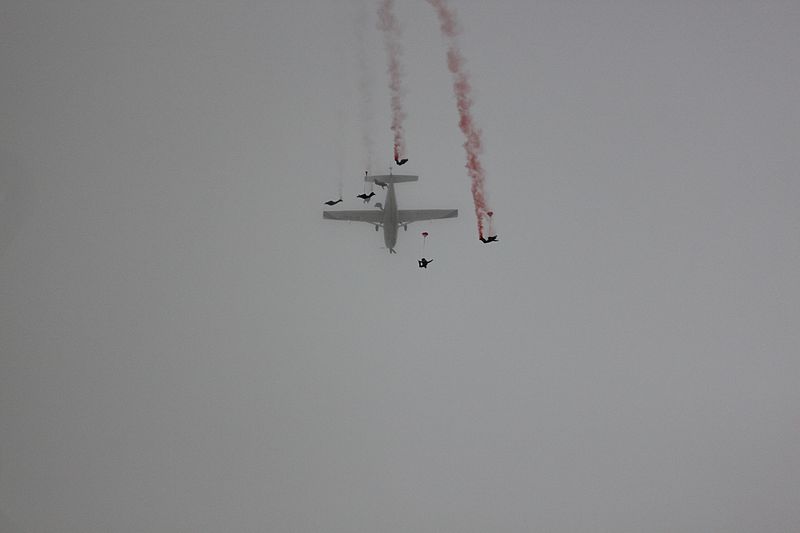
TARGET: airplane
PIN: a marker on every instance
(388, 216)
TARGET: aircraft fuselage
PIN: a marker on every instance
(390, 219)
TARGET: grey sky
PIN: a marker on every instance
(185, 345)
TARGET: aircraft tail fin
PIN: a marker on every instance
(391, 178)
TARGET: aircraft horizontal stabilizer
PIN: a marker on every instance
(391, 178)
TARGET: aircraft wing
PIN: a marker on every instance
(405, 216)
(363, 215)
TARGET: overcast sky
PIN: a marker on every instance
(186, 346)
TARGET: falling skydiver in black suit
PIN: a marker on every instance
(366, 197)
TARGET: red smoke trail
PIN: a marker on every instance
(461, 88)
(387, 23)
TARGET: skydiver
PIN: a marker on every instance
(333, 202)
(493, 238)
(423, 263)
(401, 161)
(366, 197)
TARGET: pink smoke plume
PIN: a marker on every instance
(462, 89)
(387, 23)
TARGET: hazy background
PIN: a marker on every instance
(185, 345)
